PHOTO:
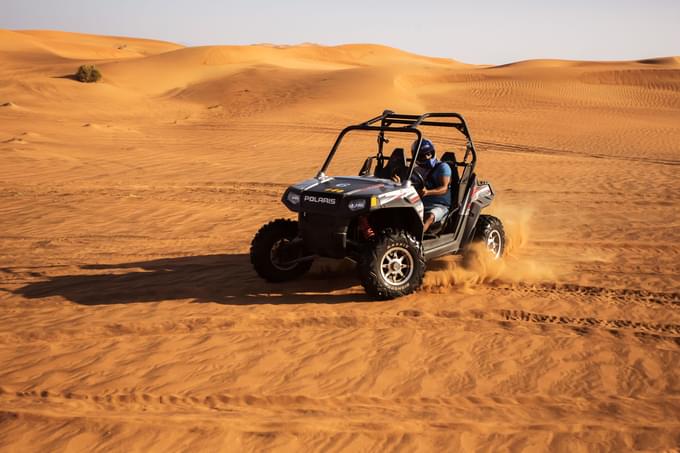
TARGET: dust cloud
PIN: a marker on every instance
(477, 266)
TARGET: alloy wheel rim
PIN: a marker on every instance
(396, 266)
(493, 243)
(274, 258)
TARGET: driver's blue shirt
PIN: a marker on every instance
(434, 180)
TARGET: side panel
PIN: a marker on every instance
(470, 223)
(443, 245)
(482, 196)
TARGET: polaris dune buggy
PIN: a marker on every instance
(375, 218)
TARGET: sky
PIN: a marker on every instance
(473, 31)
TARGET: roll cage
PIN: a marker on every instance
(409, 124)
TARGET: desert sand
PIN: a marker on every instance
(131, 319)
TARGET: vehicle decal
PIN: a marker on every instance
(334, 190)
(390, 196)
(420, 209)
(315, 199)
(413, 198)
(384, 199)
(479, 192)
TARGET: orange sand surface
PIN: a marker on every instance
(131, 319)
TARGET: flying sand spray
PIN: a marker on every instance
(478, 267)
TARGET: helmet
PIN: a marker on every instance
(426, 148)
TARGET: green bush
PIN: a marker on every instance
(88, 73)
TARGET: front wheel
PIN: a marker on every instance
(266, 252)
(392, 266)
(489, 231)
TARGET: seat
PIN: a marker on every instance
(366, 167)
(450, 158)
(396, 165)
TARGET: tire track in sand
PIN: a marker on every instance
(617, 295)
(411, 319)
(356, 410)
(583, 325)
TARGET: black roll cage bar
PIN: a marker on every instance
(406, 124)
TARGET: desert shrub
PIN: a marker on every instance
(88, 73)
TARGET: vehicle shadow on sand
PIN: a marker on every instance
(227, 279)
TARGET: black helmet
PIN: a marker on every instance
(426, 148)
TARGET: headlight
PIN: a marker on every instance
(355, 205)
(293, 197)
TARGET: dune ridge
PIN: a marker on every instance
(131, 319)
(79, 46)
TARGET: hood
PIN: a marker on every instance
(347, 186)
(343, 195)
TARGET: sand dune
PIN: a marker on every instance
(80, 46)
(131, 319)
(665, 61)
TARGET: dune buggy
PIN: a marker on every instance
(375, 218)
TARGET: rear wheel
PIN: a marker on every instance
(392, 266)
(266, 252)
(489, 231)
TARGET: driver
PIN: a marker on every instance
(436, 194)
